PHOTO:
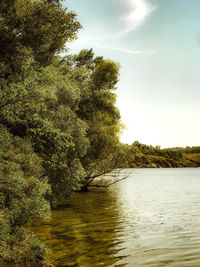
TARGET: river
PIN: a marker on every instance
(150, 219)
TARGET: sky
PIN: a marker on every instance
(157, 43)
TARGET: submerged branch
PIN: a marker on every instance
(114, 178)
(109, 184)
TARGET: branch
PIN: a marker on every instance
(91, 178)
(9, 101)
(109, 184)
(104, 169)
(97, 163)
(14, 98)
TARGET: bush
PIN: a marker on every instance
(22, 200)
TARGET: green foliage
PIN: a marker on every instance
(194, 157)
(39, 28)
(22, 199)
(187, 149)
(93, 80)
(58, 119)
(37, 103)
(97, 104)
(143, 156)
(105, 75)
(47, 116)
(38, 100)
(31, 33)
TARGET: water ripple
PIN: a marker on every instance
(150, 219)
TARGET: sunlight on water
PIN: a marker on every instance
(150, 219)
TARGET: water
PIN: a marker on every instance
(150, 219)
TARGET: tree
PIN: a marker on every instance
(97, 79)
(38, 28)
(31, 33)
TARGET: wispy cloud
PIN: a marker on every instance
(131, 14)
(135, 13)
(128, 51)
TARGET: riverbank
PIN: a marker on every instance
(152, 161)
(144, 156)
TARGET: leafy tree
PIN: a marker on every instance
(97, 80)
(38, 28)
(31, 33)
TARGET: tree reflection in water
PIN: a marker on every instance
(85, 231)
(150, 219)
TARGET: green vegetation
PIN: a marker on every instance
(22, 191)
(59, 126)
(143, 156)
(194, 157)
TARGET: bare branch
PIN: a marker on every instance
(105, 167)
(108, 184)
(98, 163)
(91, 179)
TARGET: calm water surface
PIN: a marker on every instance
(150, 219)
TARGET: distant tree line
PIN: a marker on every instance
(187, 149)
(144, 156)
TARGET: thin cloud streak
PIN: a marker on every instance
(128, 51)
(136, 13)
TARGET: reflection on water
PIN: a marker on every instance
(150, 219)
(85, 231)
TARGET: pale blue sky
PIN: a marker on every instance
(157, 43)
